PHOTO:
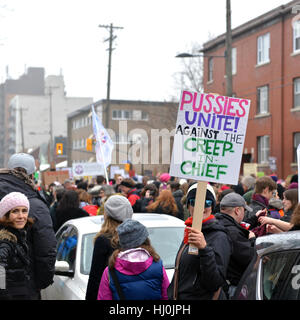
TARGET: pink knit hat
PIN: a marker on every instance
(11, 201)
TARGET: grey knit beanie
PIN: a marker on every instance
(132, 234)
(118, 208)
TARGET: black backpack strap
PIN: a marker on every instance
(117, 284)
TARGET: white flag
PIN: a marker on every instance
(104, 144)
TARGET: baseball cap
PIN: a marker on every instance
(234, 199)
(22, 160)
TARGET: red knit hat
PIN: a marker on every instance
(11, 201)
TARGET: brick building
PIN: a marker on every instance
(266, 70)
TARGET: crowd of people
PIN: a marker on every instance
(233, 217)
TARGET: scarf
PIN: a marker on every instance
(261, 199)
(189, 222)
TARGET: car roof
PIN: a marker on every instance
(93, 223)
(278, 242)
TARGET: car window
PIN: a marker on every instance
(281, 275)
(166, 242)
(87, 248)
(66, 245)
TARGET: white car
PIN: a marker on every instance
(75, 251)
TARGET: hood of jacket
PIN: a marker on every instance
(178, 193)
(7, 235)
(13, 180)
(133, 261)
(227, 221)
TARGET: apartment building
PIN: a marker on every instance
(266, 70)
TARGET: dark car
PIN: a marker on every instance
(274, 273)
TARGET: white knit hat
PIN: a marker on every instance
(11, 201)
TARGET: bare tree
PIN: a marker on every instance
(191, 75)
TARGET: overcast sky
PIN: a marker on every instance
(64, 35)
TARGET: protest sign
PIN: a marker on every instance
(250, 168)
(51, 176)
(208, 143)
(87, 169)
(209, 137)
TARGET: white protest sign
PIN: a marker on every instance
(87, 169)
(209, 137)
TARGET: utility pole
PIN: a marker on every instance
(51, 151)
(110, 49)
(22, 130)
(228, 50)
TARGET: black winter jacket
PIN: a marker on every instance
(41, 238)
(14, 258)
(200, 276)
(243, 248)
(102, 251)
(178, 194)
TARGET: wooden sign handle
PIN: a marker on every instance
(198, 211)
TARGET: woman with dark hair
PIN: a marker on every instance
(290, 202)
(148, 195)
(68, 208)
(14, 252)
(164, 203)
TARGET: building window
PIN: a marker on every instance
(263, 149)
(296, 144)
(263, 49)
(296, 92)
(296, 38)
(122, 115)
(210, 69)
(263, 100)
(234, 60)
(145, 116)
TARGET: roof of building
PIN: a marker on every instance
(251, 25)
(121, 102)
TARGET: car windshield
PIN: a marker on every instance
(165, 240)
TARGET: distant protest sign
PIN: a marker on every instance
(209, 137)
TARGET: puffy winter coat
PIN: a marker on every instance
(139, 276)
(243, 248)
(41, 237)
(14, 261)
(200, 276)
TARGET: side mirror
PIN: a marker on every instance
(62, 268)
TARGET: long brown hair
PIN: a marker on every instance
(292, 195)
(109, 230)
(166, 201)
(295, 218)
(146, 245)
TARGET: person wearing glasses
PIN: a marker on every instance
(202, 276)
(231, 215)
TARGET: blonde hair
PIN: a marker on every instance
(109, 230)
(146, 245)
